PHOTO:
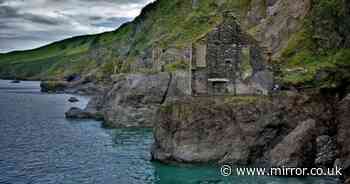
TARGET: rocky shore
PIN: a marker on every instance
(285, 129)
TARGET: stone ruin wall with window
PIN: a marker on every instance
(228, 62)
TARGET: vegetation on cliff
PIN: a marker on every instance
(163, 22)
(315, 56)
(319, 54)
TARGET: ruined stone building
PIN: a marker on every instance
(227, 62)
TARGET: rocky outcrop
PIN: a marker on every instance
(241, 130)
(297, 148)
(273, 23)
(77, 113)
(134, 99)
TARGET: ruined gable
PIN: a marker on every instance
(228, 62)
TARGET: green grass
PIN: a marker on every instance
(313, 56)
(175, 23)
(164, 23)
(303, 67)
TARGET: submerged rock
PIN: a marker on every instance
(16, 81)
(73, 99)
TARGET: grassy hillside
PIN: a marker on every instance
(163, 22)
(317, 55)
(52, 61)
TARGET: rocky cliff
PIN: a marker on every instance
(276, 131)
(133, 100)
(285, 130)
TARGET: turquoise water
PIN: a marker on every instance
(39, 146)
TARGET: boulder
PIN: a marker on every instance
(297, 148)
(77, 113)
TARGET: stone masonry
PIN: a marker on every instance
(228, 62)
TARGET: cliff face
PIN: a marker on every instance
(273, 22)
(133, 100)
(277, 131)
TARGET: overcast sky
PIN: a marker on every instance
(27, 24)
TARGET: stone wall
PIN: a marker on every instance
(218, 66)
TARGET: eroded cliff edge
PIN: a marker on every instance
(239, 130)
(285, 130)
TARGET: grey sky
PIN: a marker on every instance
(27, 24)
